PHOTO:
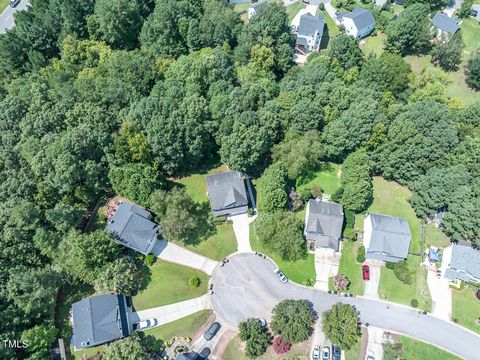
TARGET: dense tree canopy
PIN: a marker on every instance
(256, 337)
(473, 71)
(340, 325)
(292, 320)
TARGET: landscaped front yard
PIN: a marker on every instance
(234, 351)
(299, 271)
(168, 284)
(350, 268)
(416, 349)
(466, 308)
(186, 327)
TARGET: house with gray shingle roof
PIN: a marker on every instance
(444, 25)
(463, 263)
(99, 319)
(132, 227)
(358, 23)
(386, 238)
(323, 224)
(309, 33)
(227, 193)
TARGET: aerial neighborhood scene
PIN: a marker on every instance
(240, 179)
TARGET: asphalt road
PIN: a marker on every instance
(6, 18)
(247, 287)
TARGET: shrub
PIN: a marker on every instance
(305, 194)
(150, 260)
(316, 191)
(340, 282)
(281, 346)
(295, 201)
(414, 303)
(194, 281)
(361, 254)
(321, 6)
(250, 212)
(309, 282)
(350, 234)
(392, 351)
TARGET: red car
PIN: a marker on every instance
(365, 272)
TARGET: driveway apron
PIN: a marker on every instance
(241, 227)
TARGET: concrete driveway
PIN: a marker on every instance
(171, 252)
(312, 9)
(241, 227)
(371, 286)
(375, 341)
(331, 11)
(247, 287)
(6, 18)
(441, 294)
(327, 262)
(168, 313)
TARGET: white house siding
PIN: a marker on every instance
(367, 231)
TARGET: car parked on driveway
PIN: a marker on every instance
(365, 272)
(145, 324)
(280, 275)
(336, 353)
(316, 353)
(14, 3)
(326, 353)
(212, 331)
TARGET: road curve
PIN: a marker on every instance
(247, 287)
(6, 17)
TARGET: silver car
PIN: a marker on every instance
(280, 275)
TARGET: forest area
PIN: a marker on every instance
(118, 96)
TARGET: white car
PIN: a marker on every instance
(280, 275)
(316, 353)
(145, 324)
(262, 323)
(370, 355)
(326, 353)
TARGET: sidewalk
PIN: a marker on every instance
(168, 251)
(168, 313)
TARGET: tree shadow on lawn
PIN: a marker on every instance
(205, 226)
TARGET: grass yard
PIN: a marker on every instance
(466, 308)
(327, 177)
(293, 10)
(350, 268)
(298, 271)
(86, 353)
(235, 347)
(3, 5)
(470, 29)
(196, 185)
(186, 327)
(168, 284)
(354, 352)
(217, 246)
(374, 44)
(242, 9)
(416, 349)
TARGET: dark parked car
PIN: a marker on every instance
(14, 3)
(205, 353)
(365, 272)
(212, 331)
(336, 353)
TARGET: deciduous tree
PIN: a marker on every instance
(292, 320)
(340, 325)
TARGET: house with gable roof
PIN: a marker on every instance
(462, 263)
(99, 319)
(444, 26)
(358, 23)
(227, 193)
(386, 238)
(309, 33)
(323, 225)
(132, 227)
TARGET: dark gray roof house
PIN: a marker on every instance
(227, 193)
(446, 23)
(386, 238)
(132, 227)
(310, 32)
(464, 264)
(358, 23)
(323, 224)
(99, 319)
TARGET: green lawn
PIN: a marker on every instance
(169, 284)
(186, 327)
(350, 268)
(217, 246)
(392, 199)
(196, 184)
(416, 349)
(327, 177)
(470, 29)
(234, 351)
(298, 271)
(374, 44)
(293, 10)
(3, 5)
(354, 352)
(466, 308)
